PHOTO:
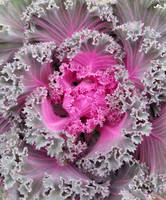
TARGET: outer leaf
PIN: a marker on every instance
(132, 181)
(12, 34)
(43, 178)
(12, 96)
(19, 78)
(131, 13)
(152, 149)
(11, 11)
(122, 179)
(37, 75)
(10, 41)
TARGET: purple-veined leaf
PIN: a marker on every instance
(36, 83)
(140, 19)
(37, 58)
(20, 78)
(41, 177)
(37, 75)
(132, 181)
(60, 22)
(10, 42)
(11, 13)
(111, 136)
(121, 179)
(12, 96)
(4, 124)
(50, 119)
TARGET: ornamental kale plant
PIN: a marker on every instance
(83, 99)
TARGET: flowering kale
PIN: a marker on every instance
(82, 99)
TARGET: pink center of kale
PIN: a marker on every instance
(81, 93)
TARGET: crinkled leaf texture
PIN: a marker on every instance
(152, 150)
(31, 174)
(41, 177)
(58, 20)
(82, 99)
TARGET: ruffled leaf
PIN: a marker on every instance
(19, 78)
(11, 87)
(110, 150)
(120, 133)
(58, 20)
(38, 60)
(37, 176)
(155, 85)
(41, 177)
(111, 136)
(132, 181)
(145, 29)
(121, 180)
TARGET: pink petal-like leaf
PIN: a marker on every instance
(50, 119)
(93, 58)
(112, 136)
